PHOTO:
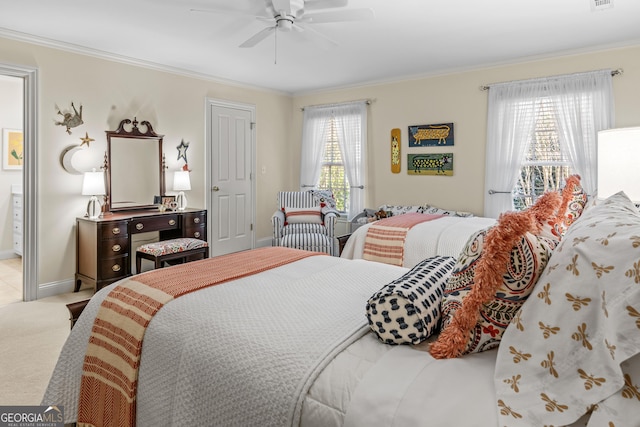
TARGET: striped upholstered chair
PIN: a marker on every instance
(306, 220)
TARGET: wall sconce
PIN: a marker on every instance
(93, 185)
(618, 168)
(181, 183)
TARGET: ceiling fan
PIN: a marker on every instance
(287, 15)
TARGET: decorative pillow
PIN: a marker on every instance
(428, 209)
(574, 200)
(407, 310)
(495, 274)
(399, 210)
(563, 354)
(324, 198)
(303, 215)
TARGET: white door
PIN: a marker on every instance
(231, 168)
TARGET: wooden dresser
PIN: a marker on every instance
(104, 252)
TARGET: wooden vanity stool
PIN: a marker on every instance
(185, 249)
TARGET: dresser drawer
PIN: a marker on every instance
(155, 223)
(114, 247)
(113, 268)
(195, 225)
(114, 229)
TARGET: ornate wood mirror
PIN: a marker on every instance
(135, 166)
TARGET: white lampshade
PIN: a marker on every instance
(618, 169)
(181, 183)
(93, 184)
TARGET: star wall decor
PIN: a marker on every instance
(86, 139)
(182, 150)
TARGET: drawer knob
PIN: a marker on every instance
(115, 230)
(172, 222)
(196, 220)
(116, 248)
(139, 226)
(196, 234)
(116, 267)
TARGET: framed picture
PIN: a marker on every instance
(12, 149)
(431, 135)
(167, 200)
(430, 164)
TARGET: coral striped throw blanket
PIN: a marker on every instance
(385, 239)
(110, 371)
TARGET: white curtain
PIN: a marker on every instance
(584, 105)
(351, 124)
(314, 136)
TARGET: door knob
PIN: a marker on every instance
(216, 188)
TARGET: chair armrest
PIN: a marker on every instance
(277, 220)
(330, 219)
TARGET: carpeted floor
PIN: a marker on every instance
(31, 337)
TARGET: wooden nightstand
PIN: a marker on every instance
(342, 240)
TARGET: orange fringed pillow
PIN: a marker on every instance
(512, 258)
(574, 200)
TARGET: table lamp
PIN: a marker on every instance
(618, 154)
(93, 185)
(181, 183)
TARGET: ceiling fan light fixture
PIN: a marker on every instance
(284, 23)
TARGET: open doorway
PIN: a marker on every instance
(18, 182)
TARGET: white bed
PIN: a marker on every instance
(445, 236)
(291, 347)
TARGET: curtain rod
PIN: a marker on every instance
(616, 72)
(366, 101)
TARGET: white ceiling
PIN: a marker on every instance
(407, 38)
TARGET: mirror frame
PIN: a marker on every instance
(134, 133)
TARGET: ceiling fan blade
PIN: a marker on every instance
(315, 36)
(339, 16)
(282, 6)
(324, 4)
(258, 37)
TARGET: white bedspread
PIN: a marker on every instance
(445, 236)
(227, 355)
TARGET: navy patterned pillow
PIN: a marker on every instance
(407, 310)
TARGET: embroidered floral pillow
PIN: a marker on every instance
(493, 277)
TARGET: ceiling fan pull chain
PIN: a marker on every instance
(275, 47)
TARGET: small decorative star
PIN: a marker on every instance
(86, 139)
(182, 151)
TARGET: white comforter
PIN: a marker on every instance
(240, 353)
(444, 236)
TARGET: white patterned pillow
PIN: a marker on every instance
(565, 351)
(407, 310)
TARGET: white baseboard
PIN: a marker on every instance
(261, 243)
(8, 254)
(55, 288)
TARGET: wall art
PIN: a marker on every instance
(431, 135)
(430, 164)
(12, 149)
(395, 150)
(69, 119)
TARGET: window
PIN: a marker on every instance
(334, 153)
(545, 166)
(332, 172)
(539, 131)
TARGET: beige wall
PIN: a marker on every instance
(457, 98)
(110, 91)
